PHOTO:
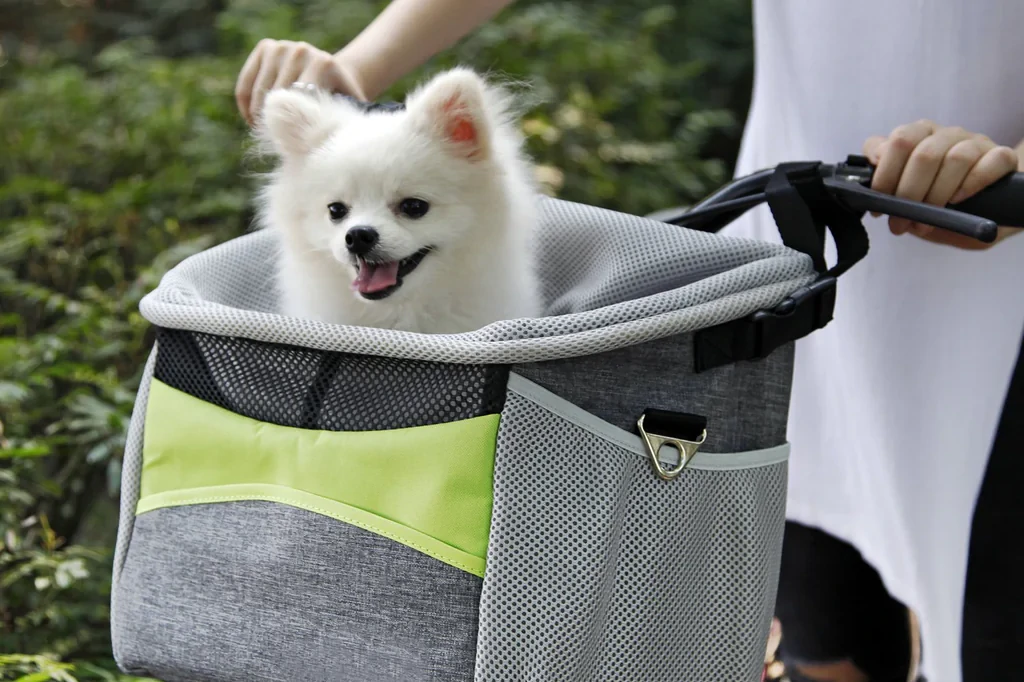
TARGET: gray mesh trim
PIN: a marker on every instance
(609, 280)
(131, 475)
(628, 441)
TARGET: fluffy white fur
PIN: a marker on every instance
(455, 147)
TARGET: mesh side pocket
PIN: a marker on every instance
(598, 570)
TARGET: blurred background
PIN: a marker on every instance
(121, 152)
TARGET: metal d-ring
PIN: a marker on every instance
(687, 449)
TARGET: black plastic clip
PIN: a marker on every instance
(758, 335)
(371, 106)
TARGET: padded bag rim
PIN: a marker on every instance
(610, 280)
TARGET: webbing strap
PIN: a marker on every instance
(803, 209)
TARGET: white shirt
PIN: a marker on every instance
(895, 403)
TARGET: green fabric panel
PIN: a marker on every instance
(435, 480)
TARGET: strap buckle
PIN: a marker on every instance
(758, 335)
(806, 310)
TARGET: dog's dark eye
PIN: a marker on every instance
(337, 210)
(413, 208)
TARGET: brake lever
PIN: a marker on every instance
(848, 183)
(862, 199)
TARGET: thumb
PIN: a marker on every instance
(872, 149)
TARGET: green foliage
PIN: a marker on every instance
(109, 178)
(123, 154)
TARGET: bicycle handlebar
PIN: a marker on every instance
(1001, 203)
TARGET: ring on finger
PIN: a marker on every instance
(305, 87)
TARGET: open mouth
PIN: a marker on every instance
(376, 280)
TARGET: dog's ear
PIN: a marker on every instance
(295, 123)
(453, 107)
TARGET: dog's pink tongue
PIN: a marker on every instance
(374, 277)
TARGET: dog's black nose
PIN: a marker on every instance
(360, 240)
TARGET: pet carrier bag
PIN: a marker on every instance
(594, 495)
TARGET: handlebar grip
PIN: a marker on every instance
(1002, 202)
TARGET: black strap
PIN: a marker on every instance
(791, 193)
(679, 425)
(803, 209)
(371, 106)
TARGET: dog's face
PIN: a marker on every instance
(387, 194)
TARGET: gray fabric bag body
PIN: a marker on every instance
(547, 549)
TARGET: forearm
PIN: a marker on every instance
(408, 33)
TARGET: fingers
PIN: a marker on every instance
(996, 162)
(925, 162)
(968, 166)
(872, 148)
(247, 78)
(958, 162)
(270, 65)
(895, 152)
(893, 155)
(294, 62)
(281, 63)
(922, 169)
(937, 165)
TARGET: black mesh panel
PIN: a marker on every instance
(304, 388)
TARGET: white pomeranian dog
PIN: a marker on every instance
(421, 219)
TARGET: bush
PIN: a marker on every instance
(123, 154)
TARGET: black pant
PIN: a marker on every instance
(993, 639)
(833, 605)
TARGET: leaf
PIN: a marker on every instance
(25, 452)
(114, 476)
(98, 453)
(11, 392)
(35, 677)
